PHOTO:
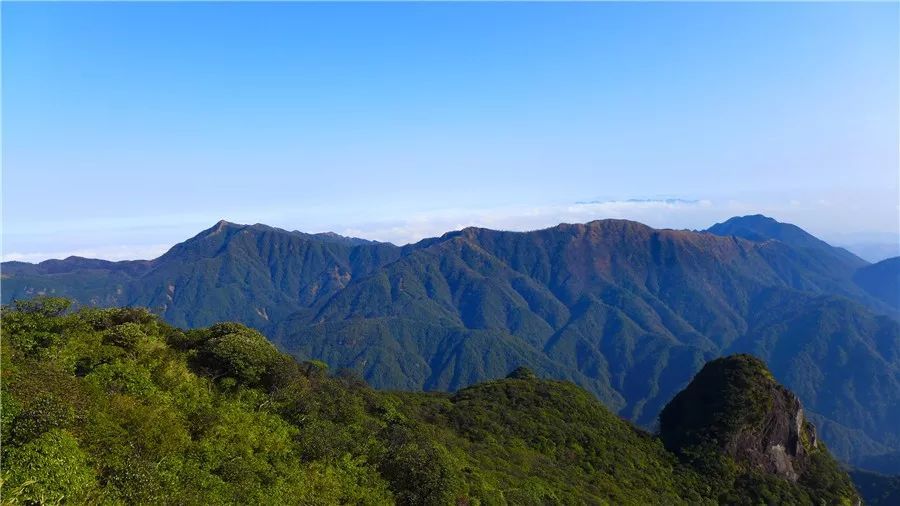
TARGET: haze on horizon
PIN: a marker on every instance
(129, 127)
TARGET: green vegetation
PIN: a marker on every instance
(115, 406)
(733, 419)
(735, 393)
(625, 311)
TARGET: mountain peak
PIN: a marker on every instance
(223, 225)
(756, 227)
(757, 221)
(735, 404)
(734, 410)
(219, 227)
(758, 217)
(761, 228)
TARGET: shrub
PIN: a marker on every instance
(242, 354)
(522, 373)
(122, 377)
(125, 335)
(419, 470)
(42, 414)
(51, 468)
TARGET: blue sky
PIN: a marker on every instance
(128, 127)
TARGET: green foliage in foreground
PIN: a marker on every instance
(112, 406)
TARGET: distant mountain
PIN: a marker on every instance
(886, 463)
(881, 280)
(874, 252)
(762, 228)
(75, 264)
(626, 311)
(111, 406)
(876, 286)
(250, 273)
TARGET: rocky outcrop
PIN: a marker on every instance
(734, 406)
(779, 445)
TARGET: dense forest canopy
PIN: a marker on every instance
(116, 406)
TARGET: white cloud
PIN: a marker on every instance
(123, 252)
(149, 237)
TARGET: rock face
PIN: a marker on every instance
(779, 448)
(734, 406)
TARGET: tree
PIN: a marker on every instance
(242, 354)
(419, 470)
(522, 373)
(43, 306)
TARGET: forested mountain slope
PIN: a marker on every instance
(626, 311)
(113, 405)
(252, 273)
(881, 280)
(623, 310)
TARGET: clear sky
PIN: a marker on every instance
(128, 127)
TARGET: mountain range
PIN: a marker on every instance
(628, 312)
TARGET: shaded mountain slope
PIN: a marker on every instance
(881, 280)
(844, 362)
(830, 269)
(90, 281)
(877, 489)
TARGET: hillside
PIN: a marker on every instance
(761, 228)
(881, 280)
(877, 489)
(628, 312)
(113, 405)
(252, 273)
